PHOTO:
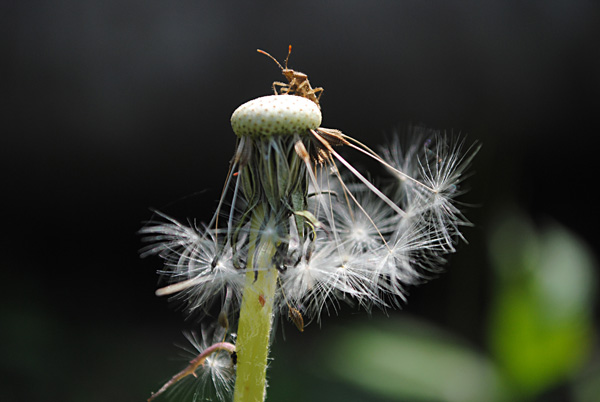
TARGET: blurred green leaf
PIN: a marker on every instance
(540, 323)
(408, 360)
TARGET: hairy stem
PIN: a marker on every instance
(256, 314)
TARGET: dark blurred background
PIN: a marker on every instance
(110, 108)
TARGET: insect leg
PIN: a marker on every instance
(319, 91)
(280, 84)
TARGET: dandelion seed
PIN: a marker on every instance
(212, 365)
(200, 266)
(441, 165)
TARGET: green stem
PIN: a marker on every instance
(256, 314)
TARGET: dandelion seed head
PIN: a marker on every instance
(338, 238)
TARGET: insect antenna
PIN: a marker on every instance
(288, 56)
(274, 59)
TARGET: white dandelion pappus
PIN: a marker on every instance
(198, 262)
(440, 163)
(211, 369)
